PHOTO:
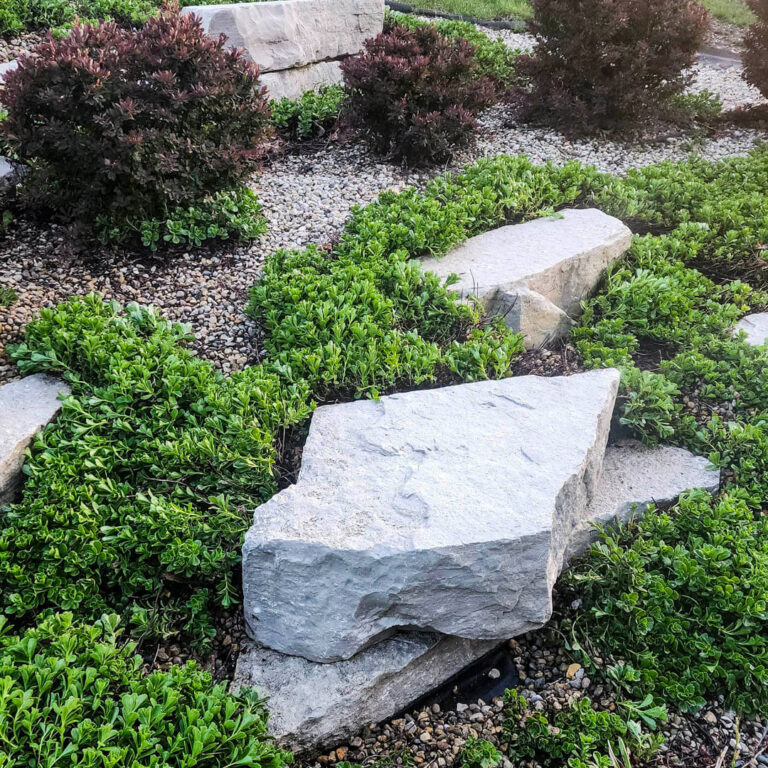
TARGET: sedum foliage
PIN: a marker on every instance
(312, 115)
(580, 736)
(140, 492)
(682, 599)
(75, 695)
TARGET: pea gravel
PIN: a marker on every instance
(306, 198)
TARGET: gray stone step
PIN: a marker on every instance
(536, 274)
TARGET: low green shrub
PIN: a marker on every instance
(681, 596)
(581, 736)
(312, 115)
(225, 215)
(479, 753)
(8, 296)
(59, 15)
(76, 695)
(137, 498)
(702, 107)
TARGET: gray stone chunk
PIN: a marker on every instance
(446, 510)
(284, 34)
(26, 406)
(313, 705)
(756, 328)
(292, 83)
(7, 66)
(537, 273)
(635, 476)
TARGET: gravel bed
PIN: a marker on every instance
(550, 679)
(12, 48)
(306, 198)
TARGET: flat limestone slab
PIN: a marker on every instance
(537, 273)
(313, 705)
(283, 34)
(446, 510)
(635, 476)
(756, 328)
(292, 83)
(26, 406)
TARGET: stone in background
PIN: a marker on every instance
(26, 406)
(298, 44)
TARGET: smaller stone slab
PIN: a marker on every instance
(26, 407)
(296, 43)
(636, 476)
(313, 705)
(756, 328)
(537, 274)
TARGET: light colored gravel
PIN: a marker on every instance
(307, 198)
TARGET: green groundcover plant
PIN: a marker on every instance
(74, 695)
(148, 478)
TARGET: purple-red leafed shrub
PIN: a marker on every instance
(600, 62)
(415, 93)
(123, 123)
(755, 56)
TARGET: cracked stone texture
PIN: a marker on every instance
(313, 705)
(756, 328)
(26, 406)
(446, 510)
(287, 34)
(536, 274)
(635, 476)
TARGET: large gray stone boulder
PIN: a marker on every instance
(447, 510)
(536, 274)
(284, 35)
(756, 328)
(314, 705)
(26, 406)
(634, 477)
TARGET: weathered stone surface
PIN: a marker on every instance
(446, 510)
(635, 476)
(756, 328)
(26, 406)
(284, 34)
(315, 705)
(6, 174)
(7, 66)
(537, 274)
(291, 83)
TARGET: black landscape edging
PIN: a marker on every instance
(515, 26)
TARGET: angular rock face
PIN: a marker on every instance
(291, 83)
(446, 510)
(537, 274)
(635, 476)
(26, 406)
(756, 328)
(287, 34)
(315, 705)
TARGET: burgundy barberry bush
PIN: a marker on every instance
(755, 56)
(123, 123)
(415, 94)
(601, 62)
